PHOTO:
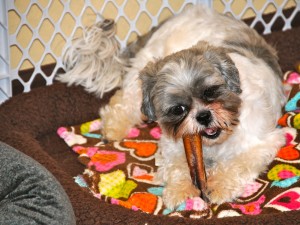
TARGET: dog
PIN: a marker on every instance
(206, 73)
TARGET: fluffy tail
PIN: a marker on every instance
(94, 60)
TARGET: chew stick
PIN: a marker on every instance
(193, 150)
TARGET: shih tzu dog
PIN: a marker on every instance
(199, 72)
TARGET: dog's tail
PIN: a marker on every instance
(94, 60)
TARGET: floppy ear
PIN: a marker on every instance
(148, 77)
(227, 68)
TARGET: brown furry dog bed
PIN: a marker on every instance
(29, 123)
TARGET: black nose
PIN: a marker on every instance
(204, 118)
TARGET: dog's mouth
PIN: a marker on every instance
(211, 132)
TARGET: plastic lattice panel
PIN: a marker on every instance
(5, 91)
(258, 9)
(39, 30)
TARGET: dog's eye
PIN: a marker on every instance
(210, 92)
(178, 110)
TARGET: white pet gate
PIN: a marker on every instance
(33, 33)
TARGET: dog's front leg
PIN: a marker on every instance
(228, 179)
(174, 173)
(178, 185)
(123, 110)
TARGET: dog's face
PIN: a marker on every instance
(193, 91)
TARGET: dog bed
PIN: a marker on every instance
(30, 121)
(122, 173)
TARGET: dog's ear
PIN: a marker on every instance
(148, 77)
(226, 66)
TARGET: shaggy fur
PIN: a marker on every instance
(90, 59)
(207, 73)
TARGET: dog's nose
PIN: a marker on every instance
(204, 117)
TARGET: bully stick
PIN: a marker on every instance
(193, 150)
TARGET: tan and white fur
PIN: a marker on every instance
(206, 62)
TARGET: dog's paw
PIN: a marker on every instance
(115, 125)
(173, 195)
(221, 190)
(114, 134)
(118, 117)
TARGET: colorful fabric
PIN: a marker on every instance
(122, 172)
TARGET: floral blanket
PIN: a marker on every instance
(122, 172)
